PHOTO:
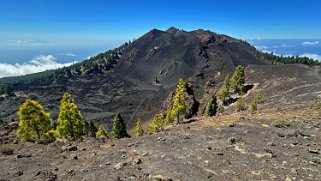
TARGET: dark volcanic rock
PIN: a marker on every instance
(128, 87)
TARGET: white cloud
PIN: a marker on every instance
(270, 51)
(70, 54)
(311, 43)
(261, 47)
(38, 64)
(265, 47)
(312, 55)
(266, 51)
(283, 45)
(31, 42)
(254, 39)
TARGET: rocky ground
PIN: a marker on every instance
(232, 147)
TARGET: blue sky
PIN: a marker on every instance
(31, 28)
(100, 20)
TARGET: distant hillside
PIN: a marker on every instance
(273, 59)
(270, 58)
(94, 65)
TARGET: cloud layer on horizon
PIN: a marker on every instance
(311, 43)
(312, 55)
(70, 54)
(38, 64)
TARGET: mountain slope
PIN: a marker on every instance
(169, 55)
(135, 78)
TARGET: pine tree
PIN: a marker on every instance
(157, 125)
(159, 121)
(253, 106)
(222, 94)
(239, 105)
(34, 121)
(227, 83)
(257, 98)
(179, 104)
(211, 106)
(238, 80)
(70, 122)
(101, 133)
(139, 129)
(169, 117)
(89, 128)
(221, 108)
(119, 129)
(224, 91)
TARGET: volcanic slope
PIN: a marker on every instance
(141, 77)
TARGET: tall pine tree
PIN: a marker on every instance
(139, 129)
(238, 80)
(179, 103)
(157, 125)
(211, 106)
(257, 98)
(89, 128)
(70, 121)
(227, 83)
(239, 105)
(169, 117)
(34, 121)
(224, 91)
(119, 129)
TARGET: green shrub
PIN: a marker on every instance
(258, 96)
(316, 159)
(281, 123)
(7, 149)
(253, 106)
(316, 106)
(101, 133)
(239, 105)
(51, 135)
(64, 154)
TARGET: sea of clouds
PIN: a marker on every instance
(303, 48)
(38, 64)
